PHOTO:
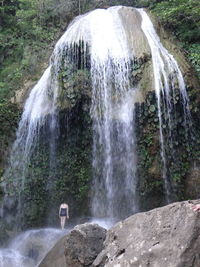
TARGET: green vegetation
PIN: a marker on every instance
(181, 146)
(27, 30)
(182, 17)
(10, 114)
(67, 178)
(193, 52)
(150, 184)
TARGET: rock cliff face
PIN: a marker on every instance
(167, 236)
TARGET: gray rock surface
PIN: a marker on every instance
(77, 249)
(163, 237)
(83, 244)
(55, 257)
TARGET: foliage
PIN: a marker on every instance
(181, 148)
(9, 118)
(182, 16)
(193, 52)
(8, 10)
(28, 27)
(47, 182)
(148, 171)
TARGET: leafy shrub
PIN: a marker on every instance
(193, 52)
(182, 16)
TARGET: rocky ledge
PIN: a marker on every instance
(167, 237)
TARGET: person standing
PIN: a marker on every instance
(63, 214)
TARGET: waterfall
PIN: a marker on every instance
(40, 104)
(114, 156)
(167, 77)
(99, 41)
(112, 110)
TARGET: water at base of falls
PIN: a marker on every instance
(30, 247)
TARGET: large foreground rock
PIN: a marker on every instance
(163, 237)
(77, 249)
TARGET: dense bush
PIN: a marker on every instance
(182, 17)
(193, 51)
(27, 28)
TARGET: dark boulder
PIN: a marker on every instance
(83, 244)
(77, 249)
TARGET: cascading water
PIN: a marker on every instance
(100, 41)
(112, 109)
(40, 103)
(167, 77)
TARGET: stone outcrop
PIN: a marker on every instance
(77, 249)
(167, 237)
